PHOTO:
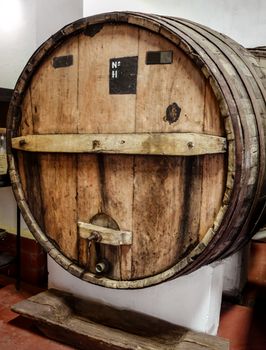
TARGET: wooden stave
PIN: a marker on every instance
(239, 240)
(235, 243)
(214, 241)
(71, 29)
(256, 215)
(202, 256)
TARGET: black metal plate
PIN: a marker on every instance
(123, 75)
(159, 57)
(63, 61)
(93, 29)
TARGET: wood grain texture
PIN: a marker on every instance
(26, 127)
(58, 189)
(54, 94)
(54, 109)
(96, 106)
(114, 107)
(89, 204)
(213, 121)
(161, 85)
(211, 195)
(157, 211)
(31, 182)
(100, 112)
(116, 175)
(172, 144)
(213, 167)
(247, 92)
(170, 189)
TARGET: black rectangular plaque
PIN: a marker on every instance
(159, 57)
(123, 75)
(63, 61)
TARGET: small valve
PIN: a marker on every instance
(102, 267)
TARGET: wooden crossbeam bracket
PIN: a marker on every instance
(172, 144)
(104, 235)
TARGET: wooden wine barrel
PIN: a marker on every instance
(136, 147)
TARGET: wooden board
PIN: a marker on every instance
(87, 324)
(171, 144)
(213, 167)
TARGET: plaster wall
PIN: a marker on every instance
(24, 26)
(242, 20)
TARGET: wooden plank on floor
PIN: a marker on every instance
(87, 324)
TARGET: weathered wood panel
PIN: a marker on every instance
(117, 178)
(171, 144)
(100, 112)
(213, 167)
(157, 211)
(54, 109)
(58, 190)
(87, 324)
(88, 192)
(54, 94)
(159, 86)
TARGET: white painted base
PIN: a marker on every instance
(192, 301)
(235, 272)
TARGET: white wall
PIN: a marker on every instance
(17, 42)
(24, 25)
(243, 20)
(52, 15)
(17, 38)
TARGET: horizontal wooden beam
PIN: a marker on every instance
(104, 235)
(172, 144)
